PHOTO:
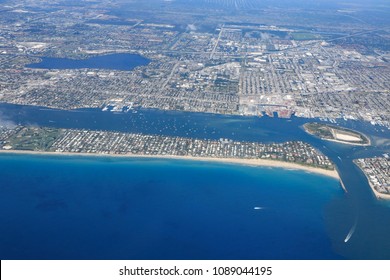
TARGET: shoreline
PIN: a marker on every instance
(377, 194)
(346, 143)
(340, 141)
(248, 162)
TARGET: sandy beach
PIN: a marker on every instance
(347, 143)
(376, 193)
(346, 140)
(249, 162)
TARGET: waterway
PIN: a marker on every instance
(289, 193)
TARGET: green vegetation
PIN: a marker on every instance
(35, 139)
(335, 133)
(301, 36)
(319, 130)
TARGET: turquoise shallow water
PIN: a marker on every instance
(190, 237)
(86, 208)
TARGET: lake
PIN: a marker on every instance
(120, 61)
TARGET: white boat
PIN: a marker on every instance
(348, 237)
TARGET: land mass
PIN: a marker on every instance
(291, 155)
(377, 171)
(204, 57)
(337, 134)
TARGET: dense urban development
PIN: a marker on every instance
(115, 143)
(225, 63)
(242, 57)
(195, 129)
(377, 171)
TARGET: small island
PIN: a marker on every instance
(337, 134)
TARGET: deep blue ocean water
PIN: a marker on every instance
(83, 208)
(119, 61)
(88, 208)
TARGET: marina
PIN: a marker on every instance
(340, 210)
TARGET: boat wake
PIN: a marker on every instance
(351, 231)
